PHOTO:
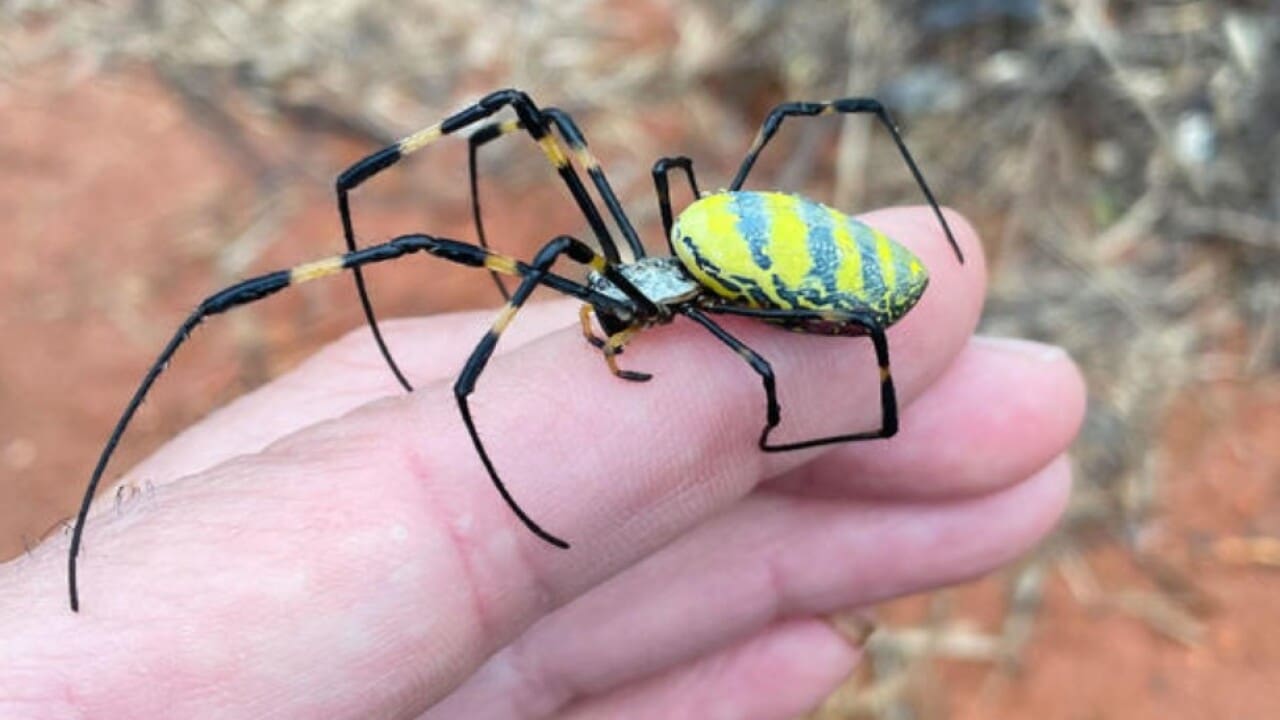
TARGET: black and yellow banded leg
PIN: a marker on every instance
(530, 119)
(257, 288)
(584, 318)
(578, 146)
(563, 245)
(572, 134)
(611, 347)
(773, 412)
(477, 139)
(843, 106)
(660, 184)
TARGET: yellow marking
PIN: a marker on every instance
(508, 126)
(420, 139)
(849, 275)
(915, 268)
(886, 256)
(884, 374)
(585, 158)
(611, 359)
(788, 246)
(828, 109)
(504, 318)
(618, 340)
(712, 225)
(598, 263)
(584, 317)
(317, 269)
(502, 264)
(552, 150)
(614, 345)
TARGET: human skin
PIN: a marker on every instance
(328, 547)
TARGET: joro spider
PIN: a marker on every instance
(775, 256)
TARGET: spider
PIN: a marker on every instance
(775, 256)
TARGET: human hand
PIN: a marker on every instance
(327, 547)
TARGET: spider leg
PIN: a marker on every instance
(563, 245)
(573, 135)
(530, 119)
(844, 106)
(481, 137)
(578, 144)
(611, 347)
(660, 170)
(257, 288)
(773, 412)
(584, 318)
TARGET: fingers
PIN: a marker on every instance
(770, 558)
(1000, 412)
(781, 673)
(1029, 394)
(377, 538)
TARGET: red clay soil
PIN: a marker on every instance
(1115, 651)
(114, 207)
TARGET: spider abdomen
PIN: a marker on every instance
(784, 251)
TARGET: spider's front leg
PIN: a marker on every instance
(560, 121)
(529, 118)
(539, 270)
(612, 346)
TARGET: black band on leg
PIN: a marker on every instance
(773, 411)
(239, 294)
(888, 397)
(662, 187)
(844, 106)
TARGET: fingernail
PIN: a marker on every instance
(1026, 348)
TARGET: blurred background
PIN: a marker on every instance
(1119, 158)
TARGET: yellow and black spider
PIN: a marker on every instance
(775, 256)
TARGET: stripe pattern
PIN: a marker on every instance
(784, 251)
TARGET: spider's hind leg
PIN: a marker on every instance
(847, 106)
(773, 412)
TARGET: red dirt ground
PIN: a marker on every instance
(115, 206)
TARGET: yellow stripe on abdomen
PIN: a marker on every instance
(849, 276)
(888, 265)
(788, 245)
(711, 226)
